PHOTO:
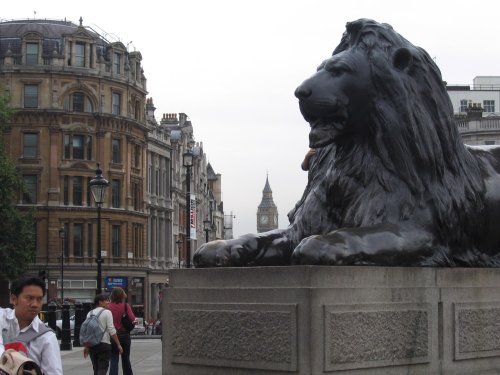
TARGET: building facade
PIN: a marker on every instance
(267, 212)
(476, 110)
(81, 101)
(484, 92)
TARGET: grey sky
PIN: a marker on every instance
(232, 66)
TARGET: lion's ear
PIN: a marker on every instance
(402, 59)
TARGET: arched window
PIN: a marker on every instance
(78, 102)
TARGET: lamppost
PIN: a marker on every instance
(207, 226)
(188, 162)
(98, 186)
(178, 242)
(62, 236)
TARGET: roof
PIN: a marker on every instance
(51, 32)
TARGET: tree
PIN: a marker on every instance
(17, 237)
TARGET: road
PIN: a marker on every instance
(145, 357)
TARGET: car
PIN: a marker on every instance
(139, 328)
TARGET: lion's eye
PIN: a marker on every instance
(336, 68)
(335, 71)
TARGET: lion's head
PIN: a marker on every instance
(379, 97)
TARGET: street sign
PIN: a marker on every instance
(120, 281)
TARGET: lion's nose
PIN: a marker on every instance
(302, 92)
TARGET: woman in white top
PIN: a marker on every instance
(101, 353)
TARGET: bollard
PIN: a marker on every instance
(51, 316)
(79, 319)
(66, 331)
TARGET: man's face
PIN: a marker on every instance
(28, 303)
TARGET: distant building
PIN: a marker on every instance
(477, 110)
(267, 212)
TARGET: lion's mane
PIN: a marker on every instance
(409, 155)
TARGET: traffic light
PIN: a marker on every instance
(42, 274)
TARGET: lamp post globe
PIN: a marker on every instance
(98, 186)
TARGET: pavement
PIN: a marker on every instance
(145, 357)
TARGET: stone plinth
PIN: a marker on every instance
(340, 320)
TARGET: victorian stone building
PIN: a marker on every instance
(79, 101)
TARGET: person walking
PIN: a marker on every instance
(118, 307)
(26, 297)
(101, 353)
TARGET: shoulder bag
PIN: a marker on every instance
(127, 324)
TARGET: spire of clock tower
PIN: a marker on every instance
(267, 212)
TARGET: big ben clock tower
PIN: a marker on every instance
(267, 213)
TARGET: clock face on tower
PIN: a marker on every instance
(264, 219)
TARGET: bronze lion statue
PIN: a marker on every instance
(391, 182)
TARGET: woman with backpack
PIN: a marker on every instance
(120, 310)
(101, 352)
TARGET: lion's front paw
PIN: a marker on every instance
(316, 250)
(212, 254)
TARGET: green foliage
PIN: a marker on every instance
(17, 237)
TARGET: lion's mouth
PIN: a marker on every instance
(325, 124)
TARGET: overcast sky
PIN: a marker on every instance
(232, 66)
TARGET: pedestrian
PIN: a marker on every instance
(26, 295)
(158, 326)
(149, 326)
(118, 307)
(101, 353)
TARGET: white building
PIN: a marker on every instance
(484, 93)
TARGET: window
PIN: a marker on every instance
(136, 200)
(137, 111)
(77, 190)
(30, 96)
(489, 105)
(78, 146)
(31, 187)
(463, 105)
(117, 62)
(115, 193)
(115, 240)
(31, 53)
(79, 54)
(66, 190)
(30, 145)
(137, 156)
(78, 101)
(115, 110)
(90, 243)
(489, 142)
(89, 202)
(66, 240)
(78, 240)
(116, 149)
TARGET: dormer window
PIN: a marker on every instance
(117, 62)
(80, 54)
(32, 53)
